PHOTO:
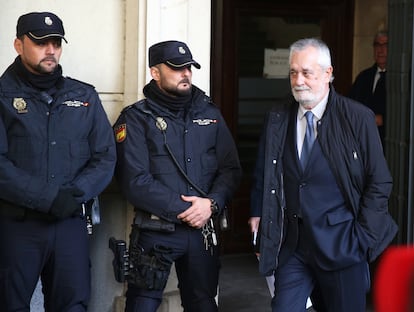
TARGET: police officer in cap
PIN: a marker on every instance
(178, 166)
(57, 153)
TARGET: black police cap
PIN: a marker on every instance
(175, 54)
(40, 26)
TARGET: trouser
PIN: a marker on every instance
(197, 272)
(340, 290)
(57, 252)
(337, 291)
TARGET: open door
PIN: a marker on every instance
(245, 84)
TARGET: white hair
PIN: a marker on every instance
(324, 58)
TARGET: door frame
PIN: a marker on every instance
(337, 20)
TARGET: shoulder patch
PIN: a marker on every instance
(120, 133)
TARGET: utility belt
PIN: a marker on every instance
(21, 213)
(89, 210)
(146, 221)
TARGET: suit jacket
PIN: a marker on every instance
(326, 235)
(361, 91)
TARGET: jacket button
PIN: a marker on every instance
(188, 159)
(274, 161)
(273, 191)
(295, 216)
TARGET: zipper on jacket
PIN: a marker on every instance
(282, 207)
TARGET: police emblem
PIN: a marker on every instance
(181, 50)
(20, 105)
(48, 21)
(120, 133)
(161, 123)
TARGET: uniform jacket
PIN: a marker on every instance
(349, 140)
(201, 143)
(49, 141)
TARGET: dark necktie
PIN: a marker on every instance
(309, 139)
(381, 81)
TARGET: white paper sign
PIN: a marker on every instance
(276, 63)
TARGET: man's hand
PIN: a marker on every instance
(65, 204)
(254, 228)
(378, 120)
(199, 212)
(254, 224)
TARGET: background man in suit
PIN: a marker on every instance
(321, 189)
(369, 86)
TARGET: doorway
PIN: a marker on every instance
(250, 74)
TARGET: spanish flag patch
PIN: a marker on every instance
(120, 133)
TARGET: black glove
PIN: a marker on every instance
(65, 204)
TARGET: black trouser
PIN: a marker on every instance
(58, 252)
(197, 272)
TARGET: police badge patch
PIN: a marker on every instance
(20, 105)
(120, 133)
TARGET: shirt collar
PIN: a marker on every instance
(379, 70)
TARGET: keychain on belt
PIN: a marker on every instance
(88, 219)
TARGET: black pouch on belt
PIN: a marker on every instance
(146, 221)
(149, 270)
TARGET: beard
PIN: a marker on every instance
(305, 97)
(177, 90)
(42, 68)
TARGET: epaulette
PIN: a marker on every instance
(81, 82)
(210, 101)
(134, 105)
(127, 108)
(142, 105)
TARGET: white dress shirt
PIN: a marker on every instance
(301, 123)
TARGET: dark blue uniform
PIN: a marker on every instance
(48, 140)
(203, 146)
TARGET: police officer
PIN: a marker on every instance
(178, 166)
(57, 152)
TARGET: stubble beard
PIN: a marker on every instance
(46, 69)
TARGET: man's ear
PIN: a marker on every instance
(329, 72)
(18, 45)
(155, 73)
